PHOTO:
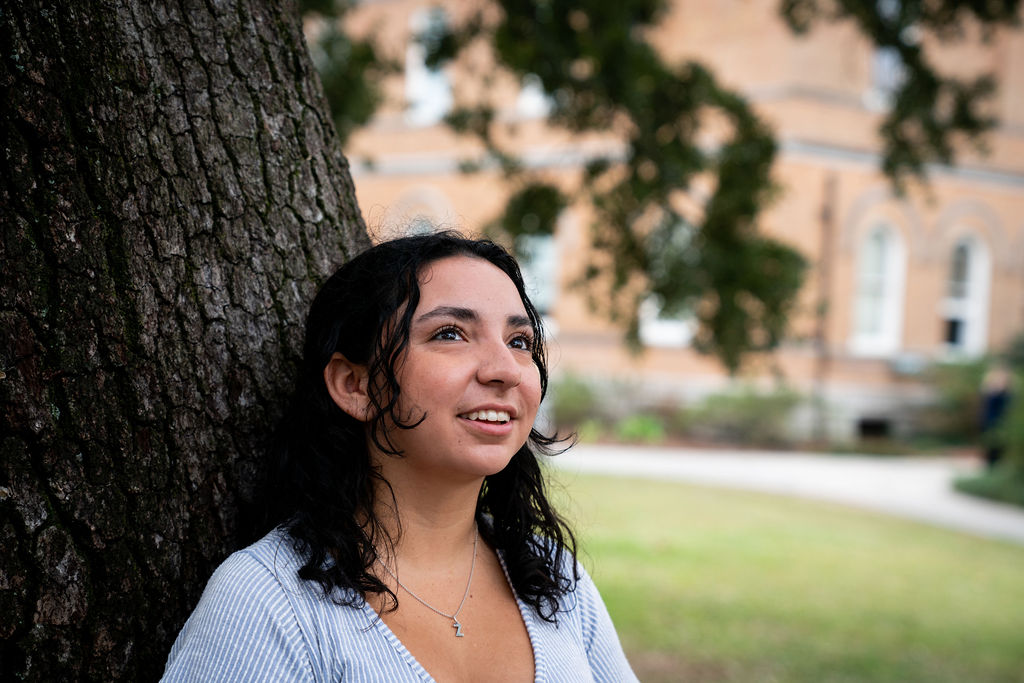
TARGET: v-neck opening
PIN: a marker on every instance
(539, 675)
(378, 623)
(539, 672)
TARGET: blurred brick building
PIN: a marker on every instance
(895, 283)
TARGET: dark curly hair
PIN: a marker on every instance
(322, 482)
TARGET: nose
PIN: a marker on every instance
(498, 365)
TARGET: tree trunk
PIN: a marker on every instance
(173, 191)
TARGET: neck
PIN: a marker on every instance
(428, 521)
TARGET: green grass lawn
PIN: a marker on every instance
(715, 585)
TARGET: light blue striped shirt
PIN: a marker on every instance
(257, 621)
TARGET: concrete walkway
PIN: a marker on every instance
(918, 488)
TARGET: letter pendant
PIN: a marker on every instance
(458, 629)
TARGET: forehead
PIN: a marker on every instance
(470, 282)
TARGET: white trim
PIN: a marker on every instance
(657, 331)
(972, 308)
(868, 158)
(428, 91)
(538, 263)
(575, 155)
(887, 337)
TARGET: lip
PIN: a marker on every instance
(512, 412)
(489, 428)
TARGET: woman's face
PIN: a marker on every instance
(468, 368)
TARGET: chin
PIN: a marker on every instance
(491, 465)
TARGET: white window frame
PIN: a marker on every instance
(532, 102)
(970, 306)
(428, 91)
(538, 262)
(665, 332)
(886, 337)
(887, 76)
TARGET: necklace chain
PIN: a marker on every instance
(454, 616)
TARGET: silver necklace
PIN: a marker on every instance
(454, 616)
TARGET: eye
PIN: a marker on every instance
(448, 333)
(522, 342)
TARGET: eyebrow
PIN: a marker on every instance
(469, 315)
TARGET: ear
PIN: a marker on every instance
(346, 383)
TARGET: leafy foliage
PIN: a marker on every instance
(953, 416)
(1014, 353)
(745, 416)
(1001, 484)
(1011, 427)
(642, 428)
(929, 111)
(1011, 432)
(1005, 481)
(675, 221)
(531, 211)
(349, 69)
(572, 401)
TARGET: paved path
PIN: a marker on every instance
(917, 488)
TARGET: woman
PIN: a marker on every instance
(414, 538)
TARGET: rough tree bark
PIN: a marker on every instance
(173, 189)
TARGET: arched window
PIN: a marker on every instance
(965, 307)
(878, 298)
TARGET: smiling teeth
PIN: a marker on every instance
(487, 415)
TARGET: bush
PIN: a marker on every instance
(572, 401)
(590, 431)
(640, 428)
(1004, 484)
(953, 417)
(674, 415)
(1014, 353)
(745, 416)
(1010, 430)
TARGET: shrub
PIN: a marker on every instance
(640, 428)
(745, 416)
(572, 401)
(674, 415)
(1014, 353)
(1010, 430)
(1005, 482)
(953, 416)
(590, 431)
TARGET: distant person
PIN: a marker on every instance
(995, 398)
(414, 539)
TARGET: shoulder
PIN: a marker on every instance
(252, 603)
(583, 598)
(600, 641)
(263, 576)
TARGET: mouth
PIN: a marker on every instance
(487, 416)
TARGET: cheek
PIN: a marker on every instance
(431, 387)
(531, 390)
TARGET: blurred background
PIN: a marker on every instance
(749, 224)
